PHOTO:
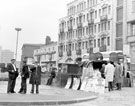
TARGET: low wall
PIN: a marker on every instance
(3, 76)
(59, 81)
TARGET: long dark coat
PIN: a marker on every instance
(25, 72)
(35, 75)
(118, 74)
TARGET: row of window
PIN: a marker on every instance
(92, 3)
(85, 45)
(92, 15)
(49, 49)
(46, 57)
(104, 26)
(82, 6)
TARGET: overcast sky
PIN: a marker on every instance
(37, 18)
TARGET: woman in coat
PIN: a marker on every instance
(118, 76)
(35, 78)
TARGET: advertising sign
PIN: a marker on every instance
(84, 82)
(76, 83)
(68, 83)
(30, 61)
(100, 85)
(94, 85)
(90, 86)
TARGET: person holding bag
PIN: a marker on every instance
(13, 74)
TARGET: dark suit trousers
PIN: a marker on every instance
(118, 86)
(23, 85)
(37, 87)
(110, 86)
(11, 85)
(49, 81)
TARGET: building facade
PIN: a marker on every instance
(47, 55)
(131, 30)
(28, 50)
(6, 56)
(88, 27)
(0, 53)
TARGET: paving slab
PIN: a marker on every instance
(48, 95)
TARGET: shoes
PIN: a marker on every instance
(9, 92)
(32, 92)
(13, 92)
(23, 92)
(37, 92)
(19, 92)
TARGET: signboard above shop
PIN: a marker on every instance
(30, 61)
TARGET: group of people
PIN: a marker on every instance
(113, 74)
(34, 72)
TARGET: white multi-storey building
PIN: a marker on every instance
(90, 26)
(0, 53)
(131, 30)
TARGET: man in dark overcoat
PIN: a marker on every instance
(13, 74)
(35, 77)
(24, 76)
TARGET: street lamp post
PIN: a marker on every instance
(17, 29)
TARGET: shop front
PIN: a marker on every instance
(132, 52)
(131, 41)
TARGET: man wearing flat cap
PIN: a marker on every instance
(13, 74)
(24, 76)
